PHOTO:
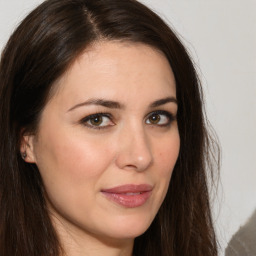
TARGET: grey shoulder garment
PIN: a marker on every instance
(243, 243)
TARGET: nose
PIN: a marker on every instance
(134, 150)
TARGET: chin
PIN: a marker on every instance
(129, 227)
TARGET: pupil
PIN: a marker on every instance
(96, 120)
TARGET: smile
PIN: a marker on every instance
(129, 196)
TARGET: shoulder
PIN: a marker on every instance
(243, 243)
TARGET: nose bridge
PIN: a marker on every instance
(134, 149)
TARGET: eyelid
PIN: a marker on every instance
(84, 121)
(171, 117)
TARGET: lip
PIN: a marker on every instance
(129, 195)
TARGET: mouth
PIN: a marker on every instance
(129, 195)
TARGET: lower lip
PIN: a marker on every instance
(128, 200)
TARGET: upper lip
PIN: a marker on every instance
(129, 188)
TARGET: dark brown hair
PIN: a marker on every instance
(37, 54)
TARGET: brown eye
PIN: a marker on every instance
(160, 118)
(96, 121)
(154, 119)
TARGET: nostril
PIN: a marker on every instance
(130, 166)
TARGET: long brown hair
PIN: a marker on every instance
(40, 50)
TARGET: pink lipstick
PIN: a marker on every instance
(129, 195)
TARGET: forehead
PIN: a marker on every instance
(117, 69)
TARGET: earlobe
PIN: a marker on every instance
(27, 148)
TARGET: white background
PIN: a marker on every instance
(221, 37)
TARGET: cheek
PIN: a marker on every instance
(71, 165)
(167, 155)
(72, 170)
(78, 155)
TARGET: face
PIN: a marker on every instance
(108, 140)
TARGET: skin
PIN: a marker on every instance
(77, 160)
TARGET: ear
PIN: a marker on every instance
(27, 148)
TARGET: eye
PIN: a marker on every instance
(97, 121)
(161, 118)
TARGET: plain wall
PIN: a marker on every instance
(221, 37)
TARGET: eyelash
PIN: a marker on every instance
(168, 115)
(86, 119)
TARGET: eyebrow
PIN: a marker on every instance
(160, 102)
(99, 102)
(117, 105)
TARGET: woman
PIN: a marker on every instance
(105, 147)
